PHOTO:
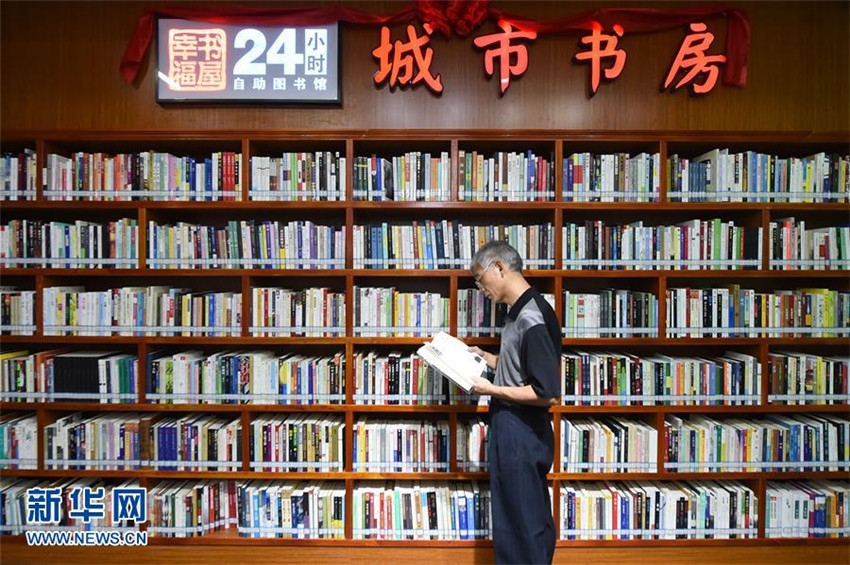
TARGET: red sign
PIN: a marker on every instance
(406, 56)
(197, 59)
(504, 51)
(691, 56)
(409, 63)
(602, 46)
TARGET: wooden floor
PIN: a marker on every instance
(15, 552)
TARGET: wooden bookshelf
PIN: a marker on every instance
(353, 143)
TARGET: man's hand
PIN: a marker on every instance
(489, 358)
(482, 386)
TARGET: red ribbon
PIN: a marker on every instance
(453, 16)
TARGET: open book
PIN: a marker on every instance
(450, 357)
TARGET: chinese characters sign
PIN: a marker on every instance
(229, 63)
(409, 63)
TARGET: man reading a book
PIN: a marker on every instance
(525, 384)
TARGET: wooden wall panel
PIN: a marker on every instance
(60, 70)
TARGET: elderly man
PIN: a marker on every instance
(526, 383)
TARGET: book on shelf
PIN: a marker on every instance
(606, 378)
(791, 443)
(473, 445)
(644, 510)
(608, 446)
(720, 176)
(17, 175)
(18, 440)
(403, 446)
(421, 510)
(814, 509)
(300, 177)
(804, 378)
(506, 176)
(297, 442)
(409, 177)
(145, 175)
(614, 177)
(452, 359)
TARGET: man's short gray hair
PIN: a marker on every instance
(494, 251)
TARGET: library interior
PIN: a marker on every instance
(238, 247)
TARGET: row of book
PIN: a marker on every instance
(78, 245)
(446, 244)
(246, 244)
(243, 377)
(299, 442)
(385, 446)
(404, 379)
(146, 175)
(610, 313)
(298, 177)
(305, 442)
(814, 509)
(424, 510)
(108, 377)
(153, 310)
(256, 509)
(608, 446)
(609, 378)
(385, 311)
(473, 445)
(311, 312)
(804, 378)
(405, 178)
(205, 442)
(17, 175)
(716, 175)
(19, 441)
(506, 176)
(774, 443)
(479, 316)
(589, 378)
(794, 246)
(733, 311)
(17, 311)
(655, 510)
(100, 441)
(195, 442)
(403, 510)
(302, 510)
(612, 177)
(720, 176)
(695, 244)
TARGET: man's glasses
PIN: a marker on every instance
(478, 278)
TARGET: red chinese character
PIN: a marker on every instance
(504, 52)
(187, 73)
(406, 56)
(197, 59)
(182, 44)
(602, 46)
(692, 55)
(212, 45)
(212, 74)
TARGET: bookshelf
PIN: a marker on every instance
(348, 213)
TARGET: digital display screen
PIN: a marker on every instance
(207, 62)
